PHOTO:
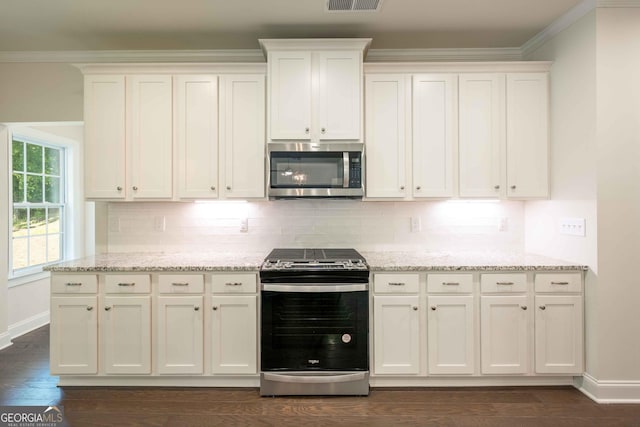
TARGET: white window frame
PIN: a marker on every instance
(71, 197)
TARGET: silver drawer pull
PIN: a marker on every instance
(74, 284)
(233, 284)
(397, 283)
(127, 284)
(505, 283)
(179, 284)
(450, 283)
(89, 308)
(559, 283)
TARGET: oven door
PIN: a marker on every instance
(315, 327)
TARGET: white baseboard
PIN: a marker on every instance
(610, 391)
(5, 340)
(28, 325)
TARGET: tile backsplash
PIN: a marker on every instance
(216, 226)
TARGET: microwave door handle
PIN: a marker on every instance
(345, 162)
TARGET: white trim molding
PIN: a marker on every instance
(604, 391)
(27, 325)
(618, 3)
(424, 55)
(173, 68)
(457, 67)
(5, 340)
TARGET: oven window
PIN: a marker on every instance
(307, 170)
(315, 331)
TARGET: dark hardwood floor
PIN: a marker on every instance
(25, 380)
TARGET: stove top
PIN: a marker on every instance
(314, 260)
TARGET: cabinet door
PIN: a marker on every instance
(504, 334)
(527, 135)
(234, 334)
(104, 145)
(243, 135)
(150, 143)
(482, 135)
(180, 335)
(196, 122)
(559, 334)
(451, 334)
(434, 134)
(340, 95)
(290, 93)
(396, 335)
(74, 335)
(386, 129)
(126, 334)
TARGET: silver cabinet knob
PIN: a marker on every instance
(135, 188)
(213, 188)
(323, 130)
(542, 307)
(415, 308)
(196, 308)
(513, 187)
(433, 307)
(418, 187)
(496, 187)
(107, 308)
(228, 187)
(306, 130)
(524, 307)
(215, 307)
(89, 308)
(119, 188)
(402, 187)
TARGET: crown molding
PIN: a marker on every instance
(111, 56)
(557, 26)
(618, 3)
(457, 67)
(173, 68)
(427, 55)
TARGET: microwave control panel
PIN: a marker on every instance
(355, 170)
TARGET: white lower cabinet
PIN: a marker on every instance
(234, 334)
(126, 334)
(396, 334)
(74, 335)
(450, 334)
(504, 334)
(559, 334)
(180, 334)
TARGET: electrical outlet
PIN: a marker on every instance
(415, 224)
(159, 223)
(114, 224)
(244, 225)
(573, 226)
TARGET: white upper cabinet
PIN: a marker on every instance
(315, 88)
(105, 149)
(242, 130)
(196, 122)
(527, 135)
(481, 135)
(150, 150)
(434, 134)
(386, 129)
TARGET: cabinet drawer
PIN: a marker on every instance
(234, 283)
(558, 282)
(74, 283)
(450, 283)
(127, 283)
(181, 283)
(511, 282)
(396, 283)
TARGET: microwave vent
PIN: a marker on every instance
(353, 5)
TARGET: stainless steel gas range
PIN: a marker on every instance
(314, 323)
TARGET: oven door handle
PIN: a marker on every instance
(316, 287)
(315, 379)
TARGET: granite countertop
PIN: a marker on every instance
(238, 261)
(377, 260)
(465, 261)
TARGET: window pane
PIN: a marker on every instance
(53, 248)
(18, 188)
(20, 254)
(52, 189)
(34, 189)
(17, 154)
(34, 158)
(51, 161)
(20, 222)
(54, 220)
(38, 250)
(37, 222)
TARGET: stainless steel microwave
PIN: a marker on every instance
(308, 170)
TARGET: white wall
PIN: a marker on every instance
(5, 338)
(618, 153)
(446, 226)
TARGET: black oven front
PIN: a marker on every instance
(315, 336)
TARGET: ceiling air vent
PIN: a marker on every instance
(353, 5)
